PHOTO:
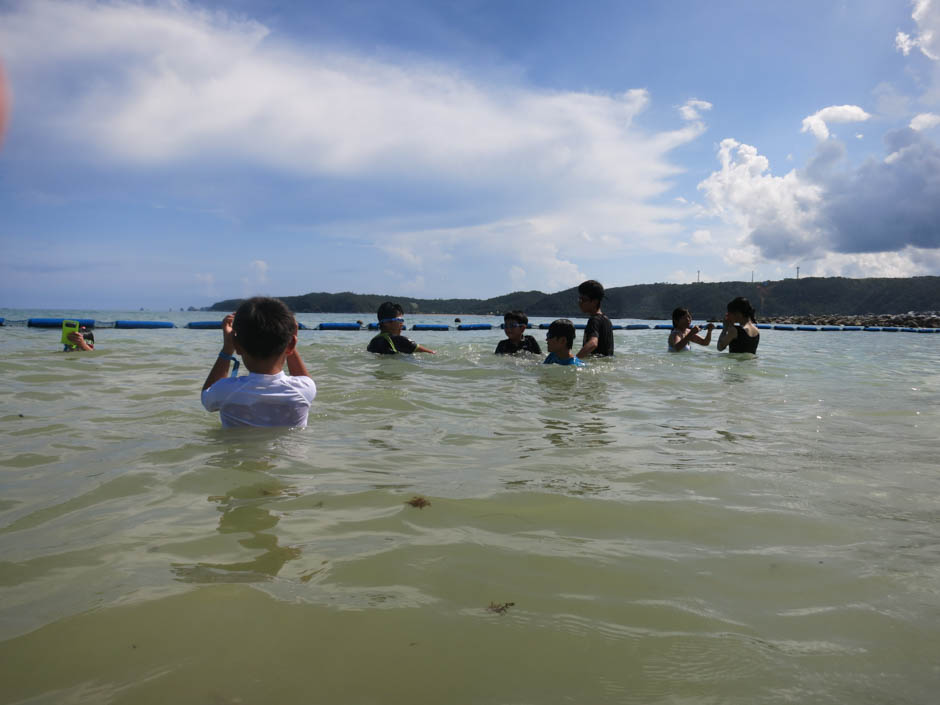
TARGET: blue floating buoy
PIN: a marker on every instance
(57, 322)
(430, 326)
(339, 326)
(143, 324)
(763, 326)
(831, 328)
(636, 326)
(663, 326)
(890, 329)
(872, 329)
(475, 326)
(783, 327)
(851, 327)
(807, 328)
(205, 325)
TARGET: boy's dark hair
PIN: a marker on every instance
(562, 328)
(591, 289)
(678, 313)
(742, 306)
(264, 327)
(516, 317)
(389, 310)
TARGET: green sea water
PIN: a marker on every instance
(657, 528)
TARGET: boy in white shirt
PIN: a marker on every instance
(263, 331)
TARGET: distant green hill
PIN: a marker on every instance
(788, 297)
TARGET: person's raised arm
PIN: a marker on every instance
(682, 342)
(295, 365)
(728, 333)
(708, 336)
(220, 368)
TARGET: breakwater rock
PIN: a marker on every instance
(911, 319)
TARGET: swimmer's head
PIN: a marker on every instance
(742, 307)
(514, 323)
(680, 313)
(390, 317)
(264, 327)
(590, 295)
(561, 329)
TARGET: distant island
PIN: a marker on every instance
(803, 299)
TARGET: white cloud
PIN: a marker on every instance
(909, 262)
(168, 85)
(701, 237)
(776, 213)
(693, 108)
(926, 15)
(256, 278)
(818, 122)
(875, 219)
(925, 121)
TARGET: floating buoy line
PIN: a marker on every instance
(340, 326)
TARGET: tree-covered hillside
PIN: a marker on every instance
(788, 297)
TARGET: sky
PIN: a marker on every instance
(175, 153)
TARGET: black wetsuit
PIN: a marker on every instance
(599, 325)
(744, 343)
(386, 344)
(527, 344)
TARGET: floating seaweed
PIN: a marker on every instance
(419, 502)
(500, 607)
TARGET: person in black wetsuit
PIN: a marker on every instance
(598, 333)
(515, 323)
(739, 333)
(390, 340)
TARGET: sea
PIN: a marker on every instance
(657, 528)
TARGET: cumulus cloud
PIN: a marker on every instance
(776, 212)
(692, 110)
(169, 85)
(926, 15)
(925, 121)
(256, 278)
(881, 216)
(888, 204)
(817, 123)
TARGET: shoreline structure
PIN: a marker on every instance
(911, 319)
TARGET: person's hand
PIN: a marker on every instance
(727, 322)
(228, 334)
(696, 329)
(710, 327)
(78, 340)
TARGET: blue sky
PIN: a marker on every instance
(167, 154)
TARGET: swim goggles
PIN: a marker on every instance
(391, 320)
